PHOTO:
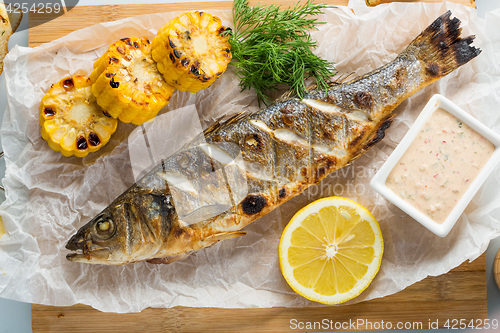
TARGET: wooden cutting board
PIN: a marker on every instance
(459, 294)
(431, 303)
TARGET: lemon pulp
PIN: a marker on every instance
(331, 250)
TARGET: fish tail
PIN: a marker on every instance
(440, 47)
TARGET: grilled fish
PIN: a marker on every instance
(296, 142)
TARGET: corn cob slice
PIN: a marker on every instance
(9, 22)
(70, 119)
(191, 52)
(127, 84)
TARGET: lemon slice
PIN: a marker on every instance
(331, 250)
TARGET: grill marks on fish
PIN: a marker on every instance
(297, 148)
(380, 133)
(253, 204)
(285, 149)
(216, 153)
(356, 115)
(178, 181)
(301, 144)
(291, 138)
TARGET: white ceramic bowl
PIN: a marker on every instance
(378, 183)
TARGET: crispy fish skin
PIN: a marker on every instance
(296, 142)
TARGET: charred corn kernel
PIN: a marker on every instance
(70, 119)
(127, 84)
(191, 52)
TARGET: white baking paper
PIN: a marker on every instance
(49, 196)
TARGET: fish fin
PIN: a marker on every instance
(289, 94)
(221, 122)
(341, 79)
(212, 239)
(335, 80)
(377, 134)
(224, 235)
(440, 47)
(168, 260)
(217, 123)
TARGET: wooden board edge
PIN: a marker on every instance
(179, 319)
(58, 26)
(403, 307)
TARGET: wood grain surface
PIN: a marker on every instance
(84, 16)
(459, 294)
(496, 269)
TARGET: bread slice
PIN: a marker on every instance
(8, 25)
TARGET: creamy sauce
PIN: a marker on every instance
(439, 165)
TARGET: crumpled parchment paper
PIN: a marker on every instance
(49, 196)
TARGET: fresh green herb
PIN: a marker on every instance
(271, 46)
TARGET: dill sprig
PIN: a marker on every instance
(271, 46)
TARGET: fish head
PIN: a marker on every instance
(100, 241)
(130, 229)
(113, 237)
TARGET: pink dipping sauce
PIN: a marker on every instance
(439, 165)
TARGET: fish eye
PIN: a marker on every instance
(104, 227)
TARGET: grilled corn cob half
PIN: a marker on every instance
(127, 84)
(9, 22)
(191, 51)
(70, 119)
